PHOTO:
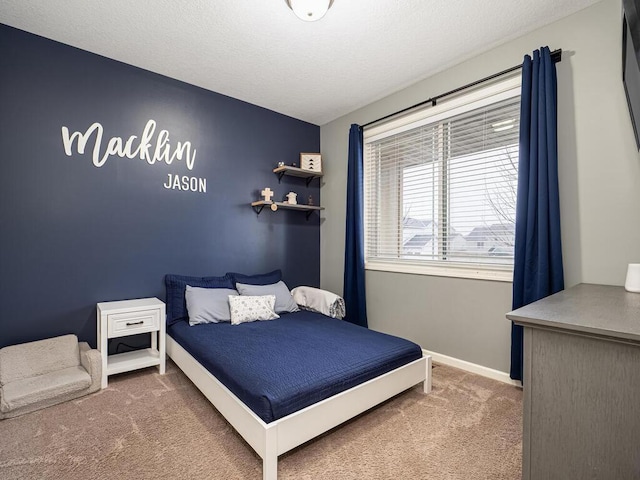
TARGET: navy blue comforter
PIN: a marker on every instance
(280, 366)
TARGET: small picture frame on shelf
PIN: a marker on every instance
(311, 162)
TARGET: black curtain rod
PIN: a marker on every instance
(556, 56)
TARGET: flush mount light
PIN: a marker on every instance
(309, 10)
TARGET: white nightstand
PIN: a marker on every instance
(130, 317)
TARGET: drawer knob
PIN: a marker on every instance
(135, 323)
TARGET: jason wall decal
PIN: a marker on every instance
(188, 184)
(148, 147)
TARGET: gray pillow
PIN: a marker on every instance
(208, 305)
(284, 300)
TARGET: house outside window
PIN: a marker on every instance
(440, 187)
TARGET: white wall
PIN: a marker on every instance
(599, 170)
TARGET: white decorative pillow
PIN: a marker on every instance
(249, 308)
(318, 300)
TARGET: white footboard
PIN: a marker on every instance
(275, 438)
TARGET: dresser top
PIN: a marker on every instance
(602, 310)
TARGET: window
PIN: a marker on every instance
(440, 187)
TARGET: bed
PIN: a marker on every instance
(282, 382)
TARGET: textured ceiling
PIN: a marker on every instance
(259, 52)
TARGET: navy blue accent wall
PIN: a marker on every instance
(73, 234)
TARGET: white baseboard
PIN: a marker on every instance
(472, 368)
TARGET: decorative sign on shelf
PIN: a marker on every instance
(148, 147)
(311, 162)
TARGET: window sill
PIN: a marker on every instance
(472, 272)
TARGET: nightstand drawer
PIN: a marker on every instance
(132, 323)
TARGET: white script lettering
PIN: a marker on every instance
(187, 184)
(116, 146)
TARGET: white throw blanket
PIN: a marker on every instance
(319, 300)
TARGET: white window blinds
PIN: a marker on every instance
(440, 186)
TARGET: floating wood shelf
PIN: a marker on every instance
(296, 172)
(309, 209)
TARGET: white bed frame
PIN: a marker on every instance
(270, 440)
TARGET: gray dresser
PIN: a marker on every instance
(581, 384)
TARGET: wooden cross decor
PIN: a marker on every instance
(267, 194)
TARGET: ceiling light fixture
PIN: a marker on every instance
(309, 10)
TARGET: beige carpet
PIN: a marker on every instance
(160, 427)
